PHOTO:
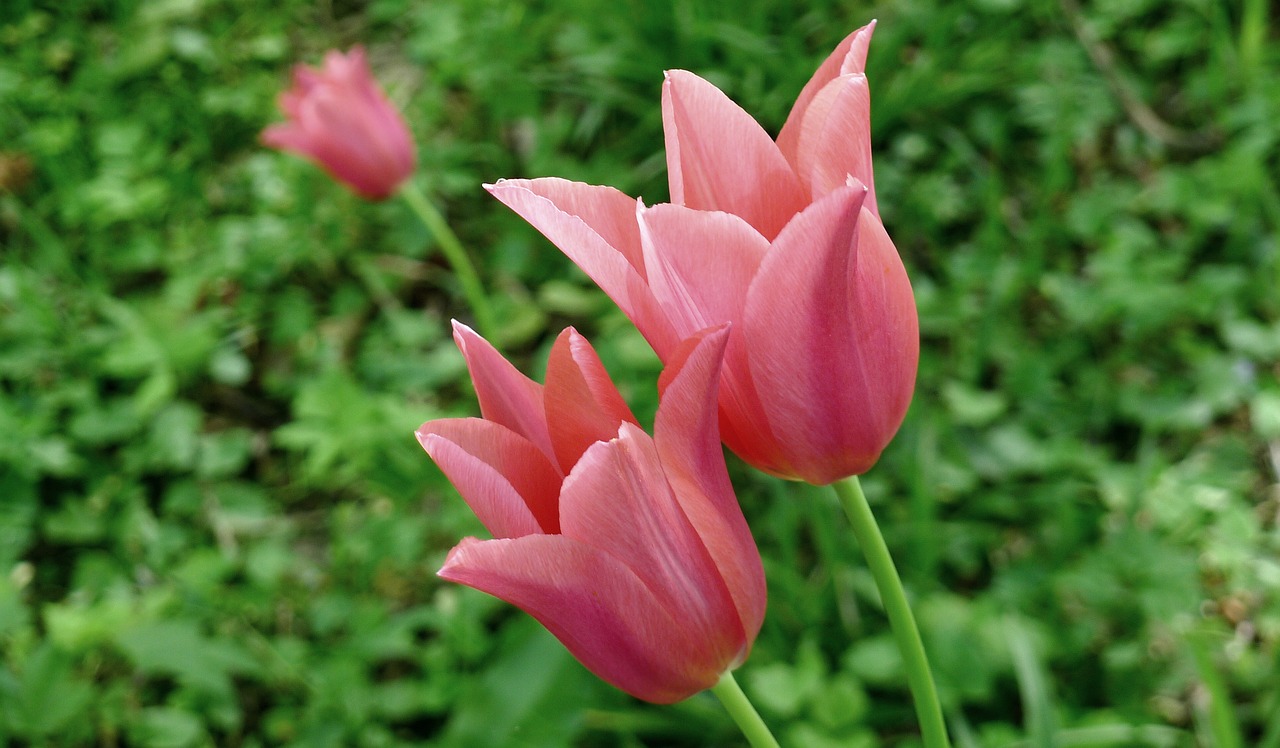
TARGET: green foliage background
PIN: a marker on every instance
(217, 529)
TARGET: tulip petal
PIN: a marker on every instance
(701, 264)
(848, 58)
(829, 332)
(350, 143)
(688, 442)
(887, 322)
(583, 406)
(595, 227)
(506, 396)
(502, 476)
(617, 499)
(719, 158)
(835, 139)
(606, 615)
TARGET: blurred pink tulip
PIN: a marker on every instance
(339, 118)
(783, 241)
(631, 550)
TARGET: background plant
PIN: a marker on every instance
(215, 525)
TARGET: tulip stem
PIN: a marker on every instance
(903, 624)
(456, 257)
(739, 707)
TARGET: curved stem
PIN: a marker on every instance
(903, 624)
(455, 255)
(739, 707)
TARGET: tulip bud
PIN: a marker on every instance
(339, 118)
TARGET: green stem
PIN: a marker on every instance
(903, 624)
(739, 707)
(1253, 34)
(456, 256)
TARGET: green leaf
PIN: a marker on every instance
(46, 697)
(178, 648)
(532, 694)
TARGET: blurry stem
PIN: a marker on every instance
(1222, 719)
(455, 255)
(1033, 686)
(1142, 115)
(903, 624)
(1271, 737)
(739, 707)
(1253, 34)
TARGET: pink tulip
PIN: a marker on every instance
(781, 240)
(339, 118)
(631, 550)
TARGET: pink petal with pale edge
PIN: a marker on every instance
(617, 499)
(719, 158)
(848, 58)
(701, 264)
(595, 227)
(832, 339)
(887, 323)
(486, 462)
(688, 442)
(506, 396)
(604, 614)
(582, 404)
(835, 138)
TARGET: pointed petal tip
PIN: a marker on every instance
(423, 434)
(575, 338)
(852, 181)
(503, 183)
(466, 338)
(679, 75)
(426, 438)
(452, 560)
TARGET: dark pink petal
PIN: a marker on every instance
(596, 228)
(582, 404)
(506, 396)
(688, 442)
(887, 324)
(832, 339)
(835, 139)
(617, 500)
(848, 58)
(348, 142)
(605, 615)
(701, 264)
(504, 478)
(719, 158)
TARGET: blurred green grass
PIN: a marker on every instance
(216, 528)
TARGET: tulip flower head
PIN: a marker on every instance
(630, 549)
(339, 118)
(783, 241)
